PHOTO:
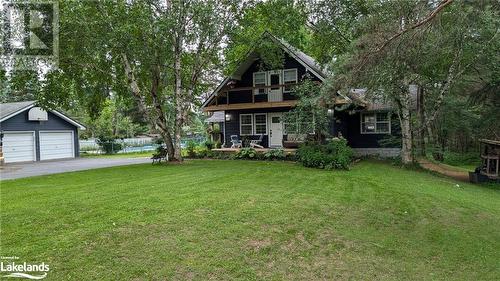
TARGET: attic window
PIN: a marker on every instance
(289, 79)
(259, 80)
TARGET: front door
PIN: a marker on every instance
(275, 129)
(275, 93)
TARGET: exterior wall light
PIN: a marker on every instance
(228, 117)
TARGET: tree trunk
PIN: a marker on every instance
(179, 102)
(421, 121)
(157, 121)
(405, 122)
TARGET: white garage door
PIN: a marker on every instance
(56, 145)
(19, 147)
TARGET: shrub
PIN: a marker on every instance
(275, 154)
(220, 155)
(209, 144)
(202, 151)
(109, 145)
(459, 159)
(190, 149)
(218, 144)
(334, 155)
(246, 153)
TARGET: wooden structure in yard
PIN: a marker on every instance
(490, 158)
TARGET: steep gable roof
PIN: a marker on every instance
(305, 60)
(11, 109)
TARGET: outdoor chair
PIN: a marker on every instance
(235, 140)
(161, 154)
(256, 143)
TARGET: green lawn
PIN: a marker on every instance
(227, 220)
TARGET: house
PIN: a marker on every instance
(254, 100)
(30, 133)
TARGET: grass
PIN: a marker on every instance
(467, 161)
(249, 220)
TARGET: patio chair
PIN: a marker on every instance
(235, 140)
(161, 154)
(256, 143)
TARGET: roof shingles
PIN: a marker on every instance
(7, 109)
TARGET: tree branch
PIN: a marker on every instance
(432, 15)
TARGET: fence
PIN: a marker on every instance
(129, 145)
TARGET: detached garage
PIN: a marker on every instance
(30, 133)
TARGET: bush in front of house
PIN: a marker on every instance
(218, 144)
(246, 153)
(209, 144)
(335, 154)
(275, 154)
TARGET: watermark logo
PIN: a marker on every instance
(10, 267)
(30, 34)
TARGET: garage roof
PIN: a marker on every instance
(11, 109)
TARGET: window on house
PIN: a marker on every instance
(259, 80)
(260, 123)
(375, 123)
(289, 79)
(246, 125)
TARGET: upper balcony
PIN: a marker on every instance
(253, 97)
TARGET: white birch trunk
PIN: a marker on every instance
(179, 102)
(405, 122)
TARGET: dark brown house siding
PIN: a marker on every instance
(350, 127)
(247, 81)
(233, 126)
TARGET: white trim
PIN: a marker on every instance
(270, 122)
(69, 120)
(296, 78)
(251, 118)
(59, 131)
(375, 132)
(55, 112)
(34, 142)
(17, 112)
(255, 125)
(255, 91)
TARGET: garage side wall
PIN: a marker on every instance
(20, 122)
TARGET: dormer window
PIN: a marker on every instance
(259, 80)
(289, 79)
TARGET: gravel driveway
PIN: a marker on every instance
(23, 170)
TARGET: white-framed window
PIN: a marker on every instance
(259, 80)
(260, 123)
(376, 123)
(289, 78)
(246, 124)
